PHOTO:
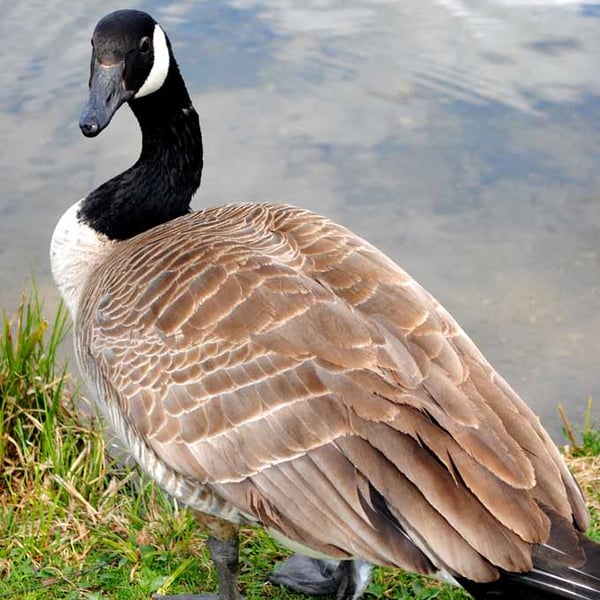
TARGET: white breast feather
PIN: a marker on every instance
(75, 251)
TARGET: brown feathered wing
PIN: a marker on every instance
(299, 375)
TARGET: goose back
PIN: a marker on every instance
(267, 365)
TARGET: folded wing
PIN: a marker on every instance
(295, 372)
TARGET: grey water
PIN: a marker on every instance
(459, 136)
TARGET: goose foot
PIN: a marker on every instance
(187, 597)
(319, 577)
(307, 575)
(224, 554)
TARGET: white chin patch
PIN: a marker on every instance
(160, 67)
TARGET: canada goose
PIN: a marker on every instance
(267, 366)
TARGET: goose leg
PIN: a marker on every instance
(225, 554)
(223, 545)
(345, 579)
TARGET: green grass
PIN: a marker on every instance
(583, 441)
(77, 524)
(583, 456)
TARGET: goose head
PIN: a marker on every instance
(132, 62)
(131, 59)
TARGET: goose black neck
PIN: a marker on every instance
(160, 185)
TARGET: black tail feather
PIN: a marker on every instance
(567, 567)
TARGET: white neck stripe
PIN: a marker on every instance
(160, 66)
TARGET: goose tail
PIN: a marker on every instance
(567, 567)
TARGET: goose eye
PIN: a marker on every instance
(145, 45)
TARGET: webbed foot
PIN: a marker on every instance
(319, 577)
(313, 576)
(187, 597)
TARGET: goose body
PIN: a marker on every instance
(268, 366)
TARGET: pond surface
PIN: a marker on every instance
(461, 137)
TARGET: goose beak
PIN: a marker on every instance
(107, 93)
